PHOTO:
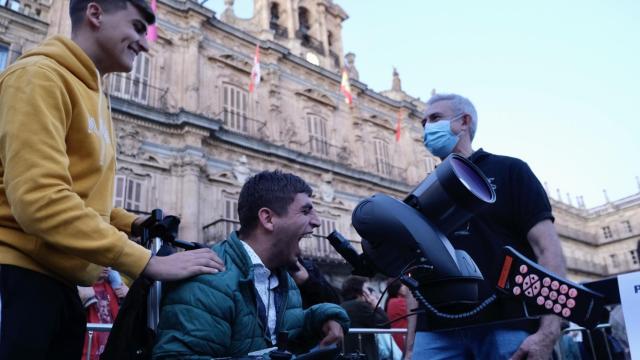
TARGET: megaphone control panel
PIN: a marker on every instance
(545, 293)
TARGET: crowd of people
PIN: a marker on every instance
(63, 246)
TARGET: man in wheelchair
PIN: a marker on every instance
(241, 310)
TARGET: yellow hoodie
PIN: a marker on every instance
(57, 153)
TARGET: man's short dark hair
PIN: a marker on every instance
(274, 190)
(77, 8)
(352, 287)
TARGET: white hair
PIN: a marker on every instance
(460, 104)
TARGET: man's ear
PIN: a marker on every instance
(94, 15)
(466, 121)
(265, 216)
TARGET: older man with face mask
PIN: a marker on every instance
(521, 217)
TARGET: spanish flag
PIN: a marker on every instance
(345, 87)
(255, 71)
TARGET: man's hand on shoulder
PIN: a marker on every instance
(183, 265)
(333, 333)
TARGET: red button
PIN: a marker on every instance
(540, 300)
(523, 268)
(566, 312)
(546, 281)
(519, 279)
(573, 292)
(571, 303)
(563, 289)
(553, 295)
(555, 285)
(557, 308)
(562, 299)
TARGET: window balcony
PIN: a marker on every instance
(322, 148)
(133, 89)
(218, 230)
(309, 42)
(315, 246)
(335, 58)
(239, 122)
(279, 31)
(386, 169)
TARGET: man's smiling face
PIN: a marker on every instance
(121, 37)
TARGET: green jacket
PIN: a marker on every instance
(217, 315)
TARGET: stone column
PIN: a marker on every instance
(292, 18)
(191, 70)
(321, 14)
(187, 170)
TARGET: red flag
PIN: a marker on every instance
(345, 87)
(255, 71)
(398, 125)
(152, 32)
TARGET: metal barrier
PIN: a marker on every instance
(589, 342)
(589, 335)
(91, 328)
(372, 331)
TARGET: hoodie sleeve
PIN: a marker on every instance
(122, 219)
(34, 113)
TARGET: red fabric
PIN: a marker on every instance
(103, 312)
(396, 308)
(255, 71)
(398, 125)
(345, 87)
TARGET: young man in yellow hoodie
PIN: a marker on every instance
(57, 167)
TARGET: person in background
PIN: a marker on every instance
(314, 287)
(360, 303)
(102, 303)
(396, 308)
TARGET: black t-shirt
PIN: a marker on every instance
(521, 203)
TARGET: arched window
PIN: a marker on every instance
(279, 30)
(303, 20)
(275, 13)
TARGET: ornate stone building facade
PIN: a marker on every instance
(600, 241)
(190, 133)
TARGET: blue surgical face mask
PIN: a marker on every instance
(439, 139)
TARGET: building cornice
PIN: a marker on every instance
(285, 53)
(216, 131)
(24, 20)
